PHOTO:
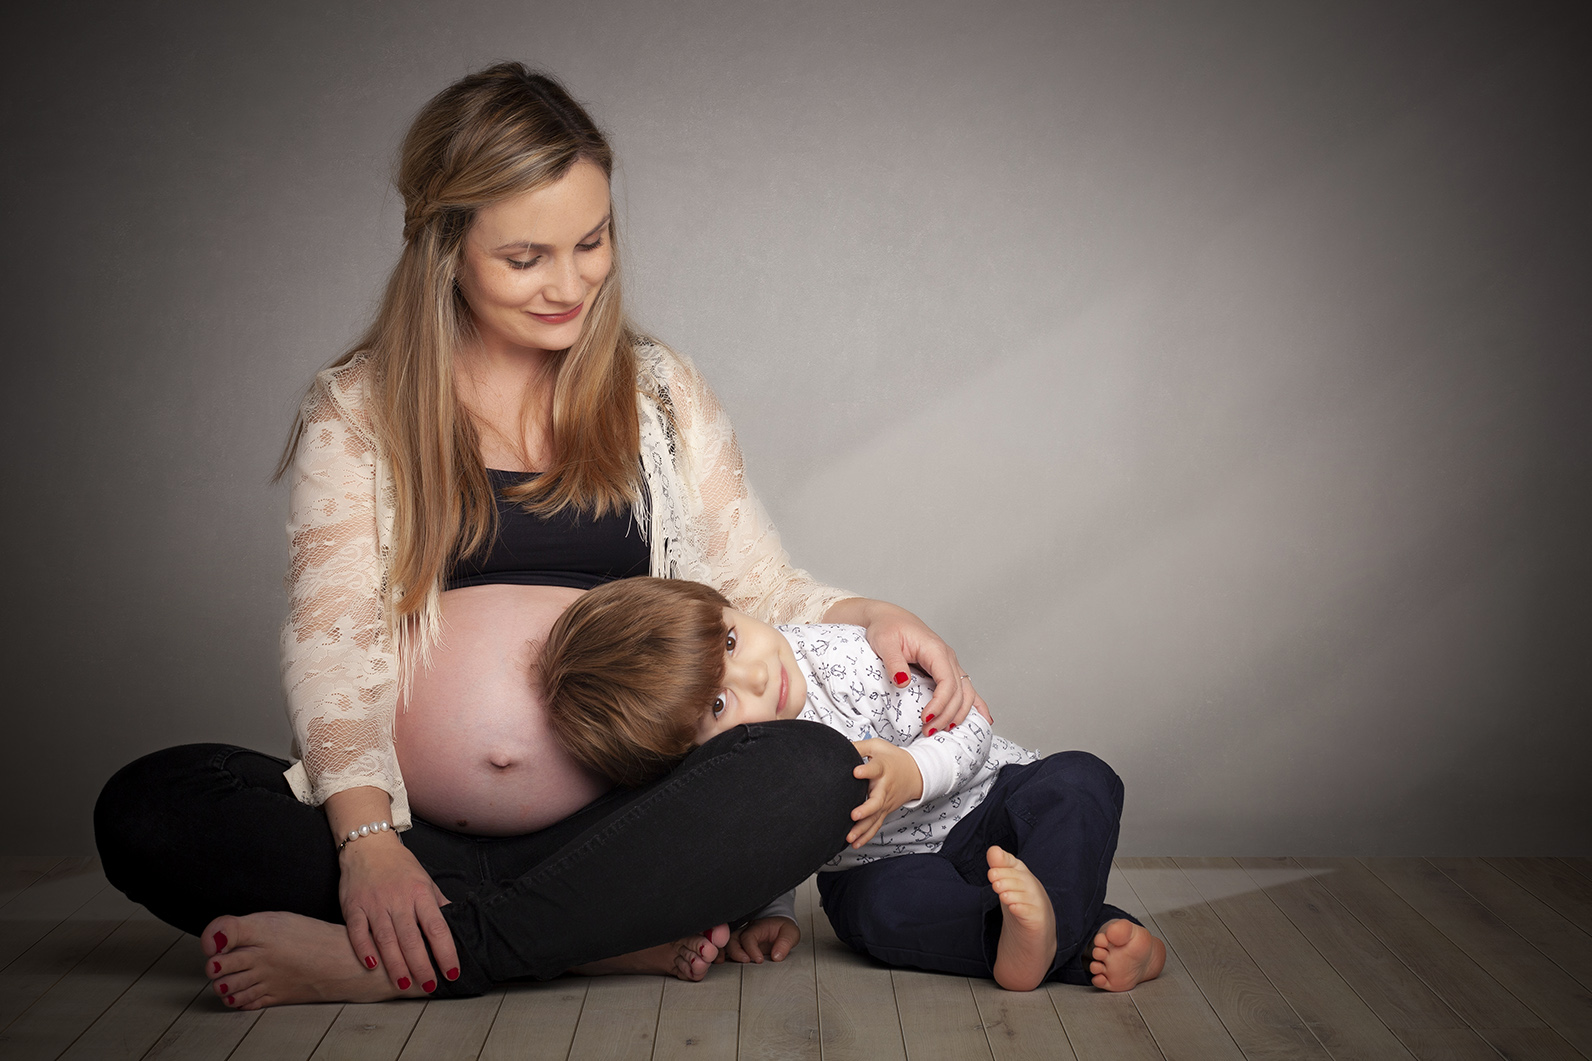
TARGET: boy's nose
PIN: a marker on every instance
(753, 676)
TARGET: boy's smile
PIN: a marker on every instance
(761, 679)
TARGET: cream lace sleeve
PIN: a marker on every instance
(338, 662)
(738, 548)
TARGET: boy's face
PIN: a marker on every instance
(761, 679)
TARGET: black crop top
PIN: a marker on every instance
(569, 549)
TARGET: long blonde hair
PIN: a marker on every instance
(489, 136)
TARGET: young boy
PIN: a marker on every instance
(971, 855)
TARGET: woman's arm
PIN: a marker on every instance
(744, 559)
(341, 674)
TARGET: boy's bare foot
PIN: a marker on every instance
(1125, 955)
(1028, 924)
(686, 958)
(275, 958)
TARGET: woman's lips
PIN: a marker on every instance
(558, 318)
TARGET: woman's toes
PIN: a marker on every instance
(718, 935)
(219, 935)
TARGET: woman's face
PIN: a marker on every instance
(533, 264)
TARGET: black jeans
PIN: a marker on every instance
(938, 912)
(201, 830)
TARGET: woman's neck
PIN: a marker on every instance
(508, 391)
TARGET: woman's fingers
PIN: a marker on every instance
(440, 937)
(392, 953)
(359, 938)
(413, 944)
(952, 697)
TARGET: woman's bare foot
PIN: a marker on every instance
(1125, 955)
(1028, 924)
(686, 958)
(275, 958)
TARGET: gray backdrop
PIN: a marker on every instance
(1213, 376)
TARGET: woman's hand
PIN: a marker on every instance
(390, 905)
(773, 936)
(893, 780)
(901, 638)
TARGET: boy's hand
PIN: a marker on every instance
(893, 779)
(773, 936)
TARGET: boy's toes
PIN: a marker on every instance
(1000, 858)
(1118, 932)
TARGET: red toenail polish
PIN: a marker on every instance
(215, 967)
(231, 1001)
(702, 950)
(221, 940)
(403, 983)
(370, 963)
(223, 989)
(901, 677)
(452, 974)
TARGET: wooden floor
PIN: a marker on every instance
(1268, 958)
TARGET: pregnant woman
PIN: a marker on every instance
(500, 440)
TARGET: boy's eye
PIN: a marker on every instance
(729, 641)
(718, 706)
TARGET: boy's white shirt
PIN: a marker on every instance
(847, 691)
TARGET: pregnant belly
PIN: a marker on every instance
(474, 744)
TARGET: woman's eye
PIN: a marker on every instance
(517, 264)
(718, 706)
(593, 245)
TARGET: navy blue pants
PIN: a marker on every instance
(938, 912)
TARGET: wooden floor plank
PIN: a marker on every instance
(857, 1015)
(287, 1033)
(1565, 944)
(1103, 1025)
(536, 1021)
(1548, 991)
(452, 1029)
(90, 988)
(205, 1031)
(39, 908)
(371, 1031)
(1554, 881)
(1423, 1022)
(1177, 1014)
(939, 1019)
(1583, 866)
(703, 1019)
(147, 1009)
(1330, 1008)
(1020, 1025)
(1482, 1002)
(40, 967)
(1254, 1012)
(20, 872)
(620, 1019)
(779, 1000)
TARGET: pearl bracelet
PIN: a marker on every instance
(363, 831)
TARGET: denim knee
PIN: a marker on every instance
(1088, 772)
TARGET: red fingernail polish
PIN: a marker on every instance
(429, 986)
(927, 719)
(231, 1001)
(370, 963)
(403, 983)
(901, 677)
(932, 732)
(452, 974)
(215, 967)
(951, 726)
(221, 940)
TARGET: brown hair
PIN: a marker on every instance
(487, 137)
(630, 669)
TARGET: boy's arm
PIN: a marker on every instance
(951, 758)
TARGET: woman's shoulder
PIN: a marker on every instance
(671, 378)
(342, 392)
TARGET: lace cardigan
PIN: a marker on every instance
(342, 659)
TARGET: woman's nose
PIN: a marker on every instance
(563, 282)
